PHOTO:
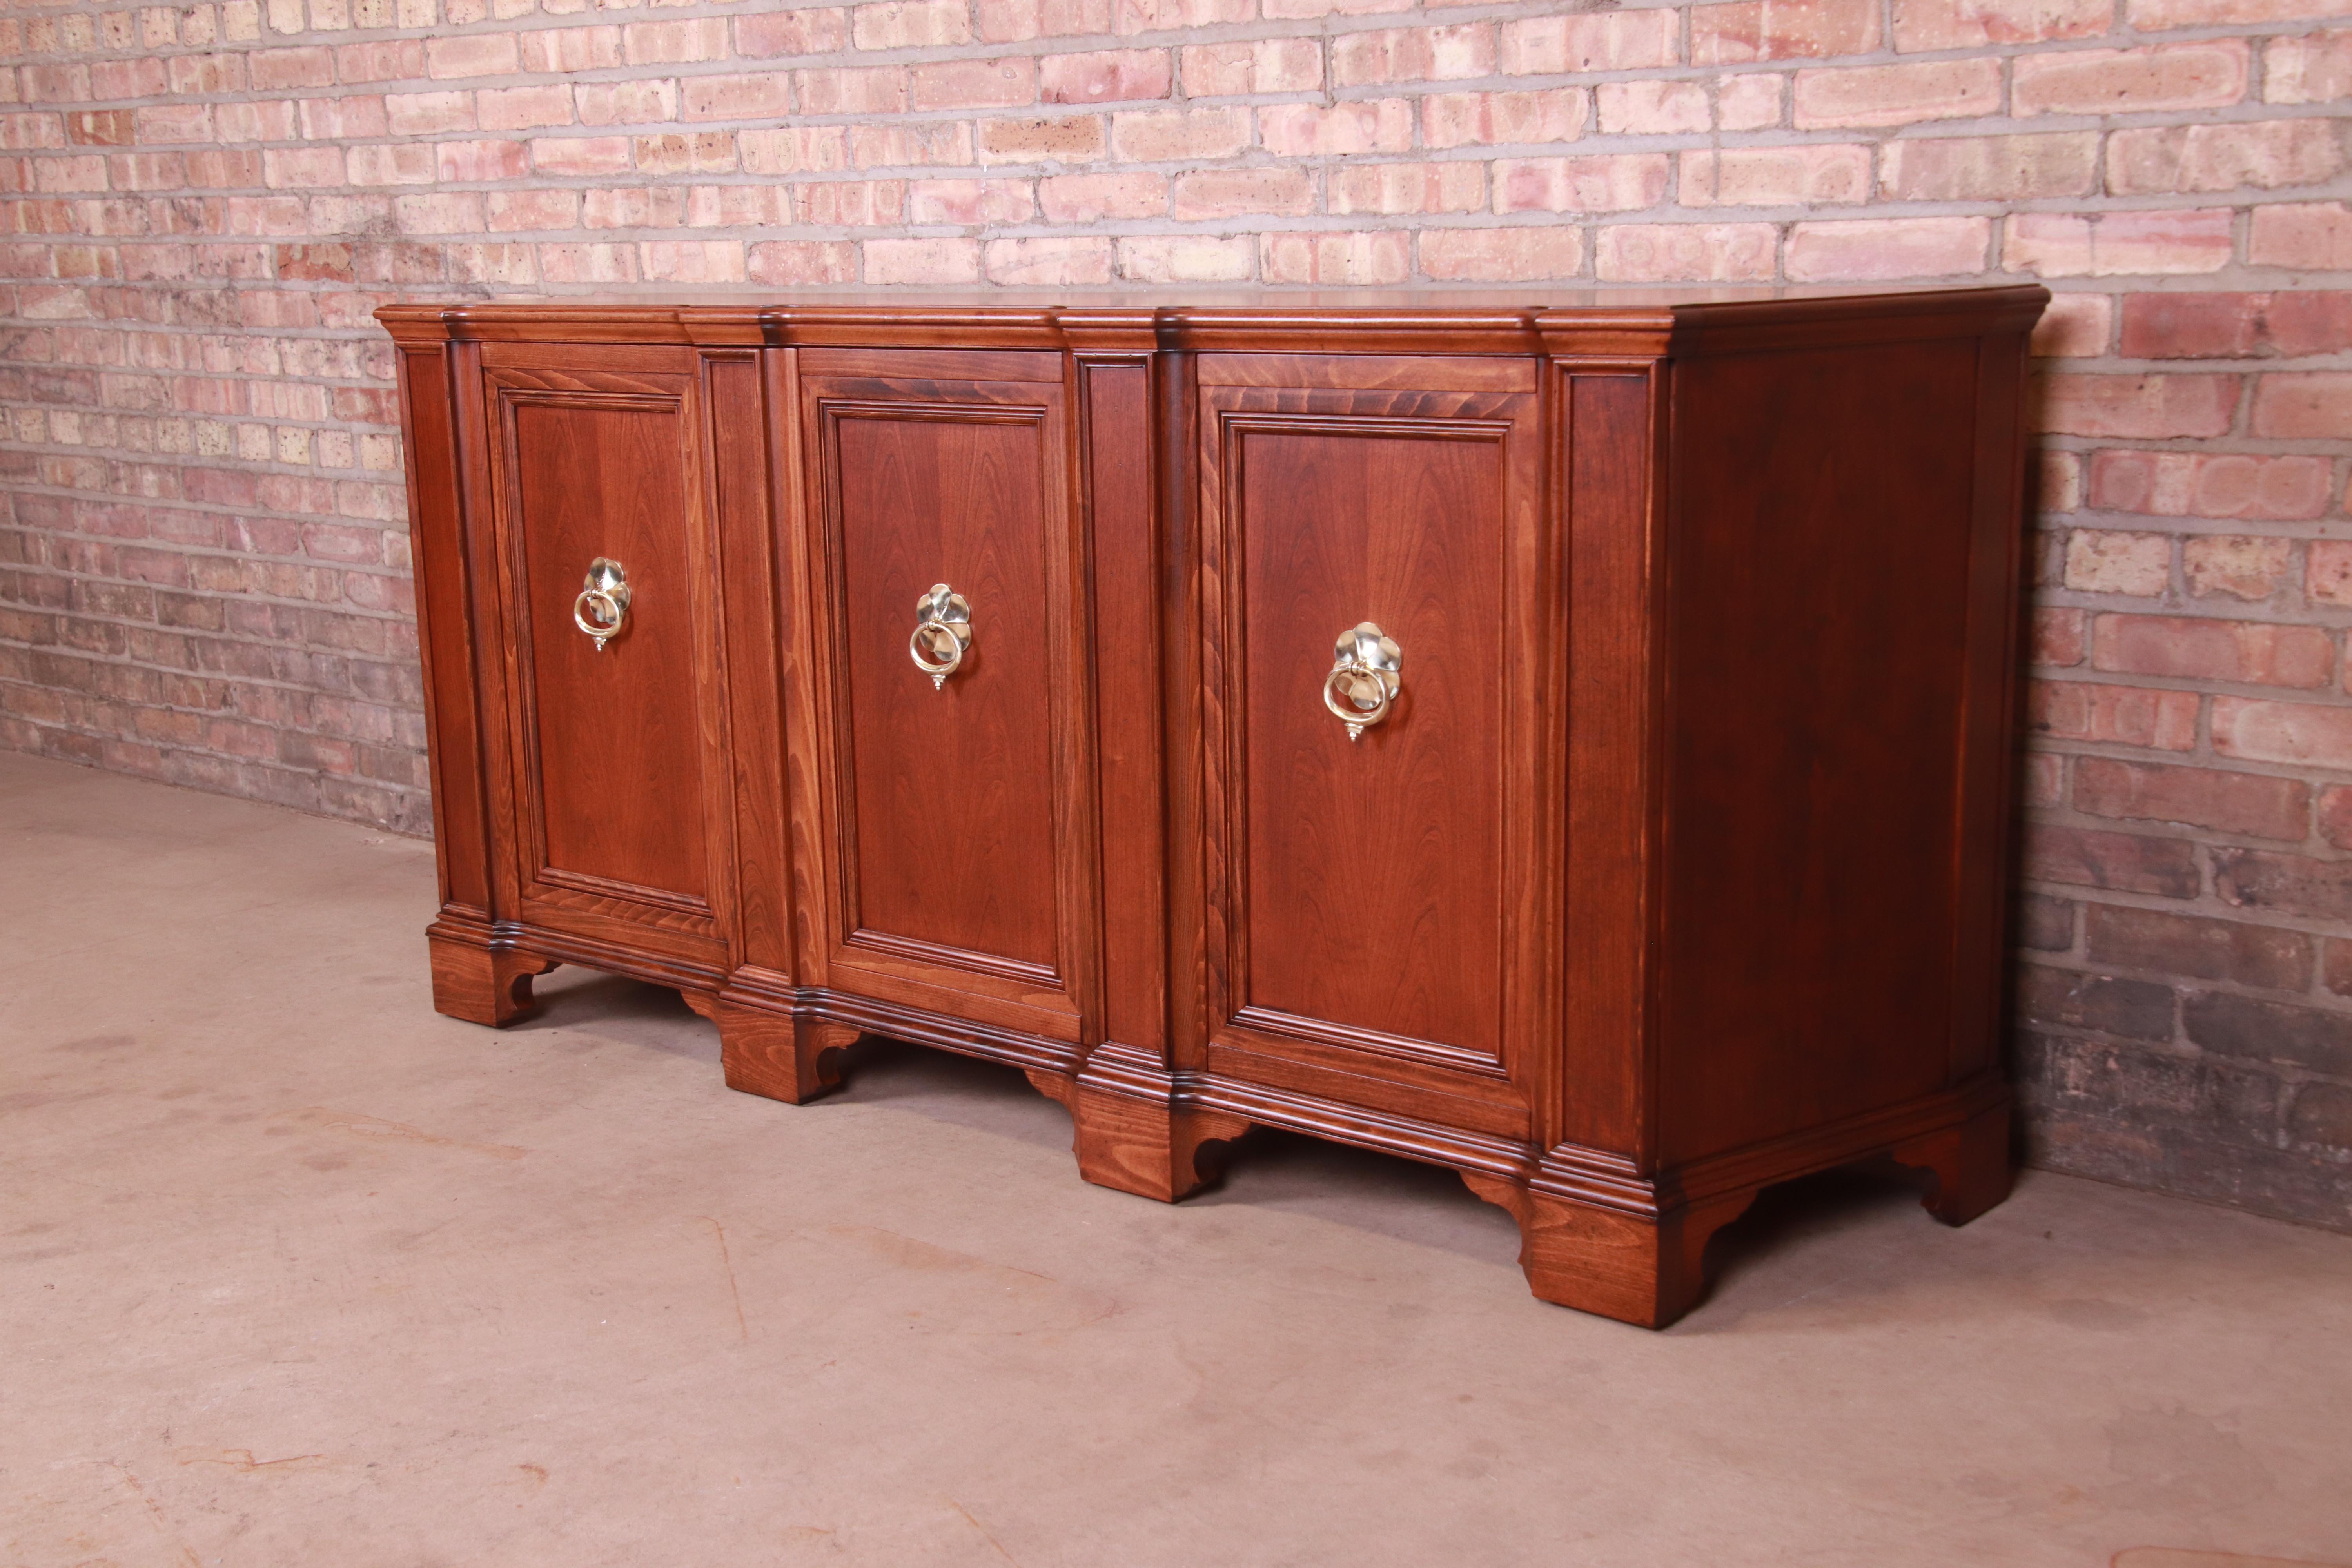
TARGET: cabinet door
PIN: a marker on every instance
(954, 828)
(614, 775)
(1375, 905)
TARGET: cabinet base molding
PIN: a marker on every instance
(480, 978)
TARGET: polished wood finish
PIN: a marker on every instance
(1675, 872)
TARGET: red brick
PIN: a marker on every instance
(2254, 653)
(968, 202)
(775, 34)
(524, 108)
(1341, 260)
(2105, 561)
(2076, 326)
(2316, 69)
(573, 48)
(1308, 129)
(1186, 259)
(1093, 198)
(2185, 945)
(2248, 567)
(2057, 637)
(2156, 15)
(477, 54)
(910, 25)
(1263, 64)
(2308, 236)
(1588, 41)
(931, 261)
(1500, 255)
(2315, 406)
(1873, 249)
(1413, 54)
(1229, 192)
(1685, 253)
(1172, 135)
(674, 43)
(2255, 804)
(1925, 24)
(1049, 261)
(1991, 168)
(1781, 29)
(581, 154)
(2211, 75)
(1822, 174)
(796, 150)
(974, 84)
(275, 68)
(780, 263)
(1616, 183)
(1450, 187)
(881, 91)
(2127, 862)
(2327, 570)
(850, 204)
(469, 161)
(1110, 76)
(2263, 154)
(2107, 244)
(2138, 407)
(2210, 484)
(2297, 735)
(2113, 715)
(2336, 815)
(1492, 118)
(1898, 95)
(1651, 108)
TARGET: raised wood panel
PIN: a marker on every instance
(961, 810)
(619, 786)
(1371, 907)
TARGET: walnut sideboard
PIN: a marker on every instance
(1561, 739)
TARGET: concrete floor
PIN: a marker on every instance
(293, 1271)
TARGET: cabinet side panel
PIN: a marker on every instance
(1119, 476)
(436, 539)
(1821, 540)
(1604, 1047)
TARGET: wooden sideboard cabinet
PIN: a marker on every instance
(1561, 739)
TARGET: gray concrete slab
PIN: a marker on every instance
(293, 1271)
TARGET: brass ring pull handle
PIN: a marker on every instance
(942, 631)
(1364, 678)
(603, 603)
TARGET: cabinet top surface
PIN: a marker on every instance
(1450, 320)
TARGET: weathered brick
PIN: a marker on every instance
(2306, 236)
(813, 30)
(2257, 805)
(2235, 565)
(2327, 571)
(1110, 76)
(1781, 29)
(2125, 862)
(2107, 245)
(1186, 259)
(1307, 129)
(2144, 407)
(1500, 255)
(1684, 253)
(1229, 192)
(1873, 249)
(2314, 69)
(1413, 54)
(1991, 168)
(2045, 924)
(2253, 652)
(1651, 108)
(2263, 154)
(1378, 256)
(1075, 139)
(1858, 96)
(1823, 175)
(1452, 188)
(2316, 406)
(1610, 182)
(1263, 64)
(2292, 733)
(1925, 24)
(1497, 119)
(2156, 15)
(1588, 41)
(2211, 75)
(2116, 715)
(2136, 1009)
(2269, 1031)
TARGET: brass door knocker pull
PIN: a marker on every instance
(603, 603)
(942, 631)
(1364, 678)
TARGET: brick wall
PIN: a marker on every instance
(202, 567)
